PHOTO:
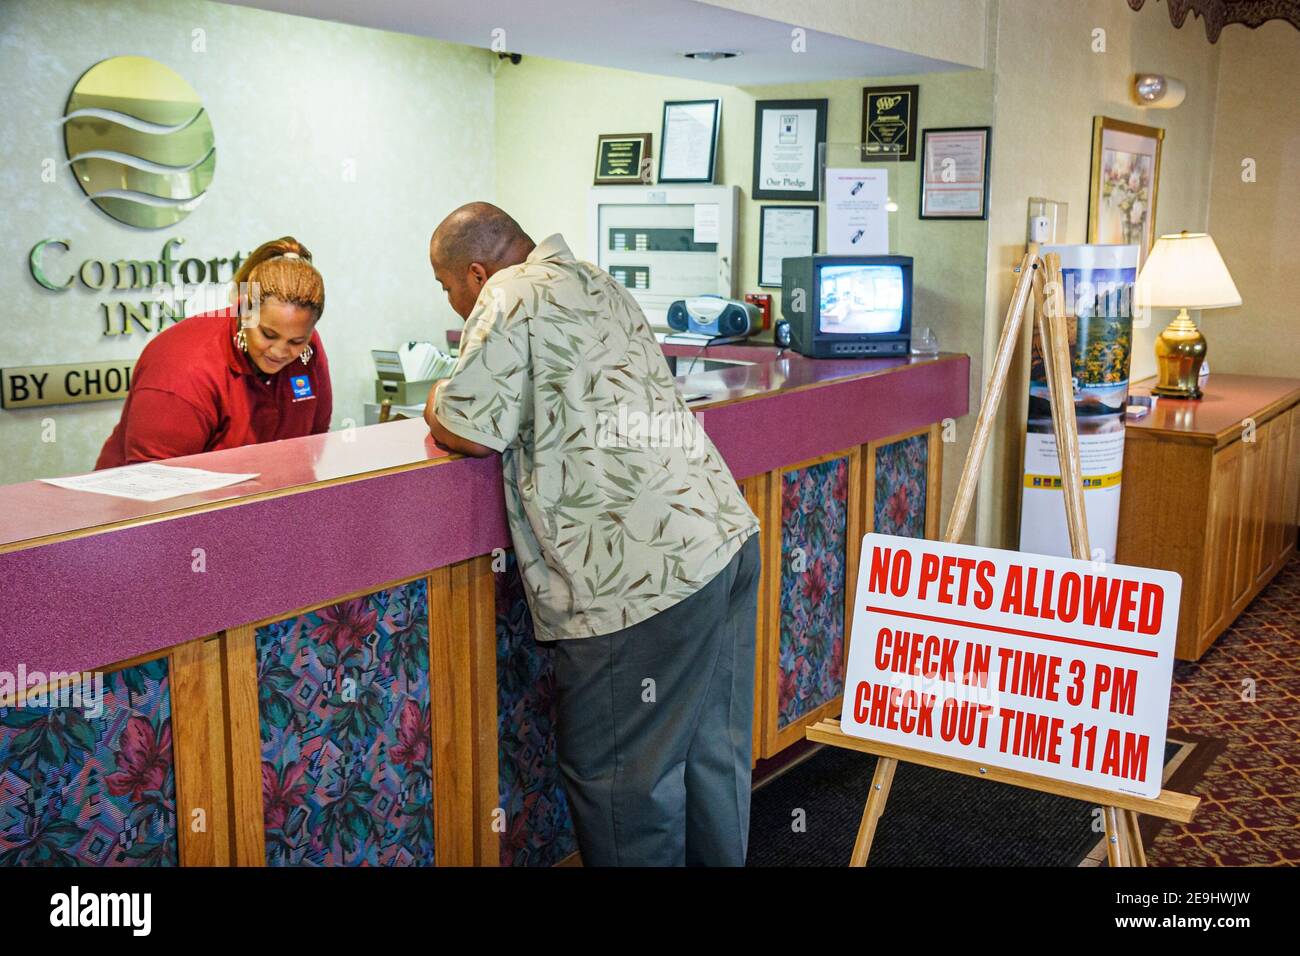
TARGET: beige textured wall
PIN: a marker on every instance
(546, 152)
(291, 100)
(1256, 224)
(950, 30)
(1048, 86)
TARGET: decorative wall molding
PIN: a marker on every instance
(1220, 13)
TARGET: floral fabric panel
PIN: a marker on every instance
(91, 784)
(901, 486)
(538, 830)
(814, 531)
(347, 754)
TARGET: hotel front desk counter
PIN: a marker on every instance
(333, 663)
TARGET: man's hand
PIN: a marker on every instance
(446, 439)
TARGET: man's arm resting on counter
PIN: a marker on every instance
(447, 439)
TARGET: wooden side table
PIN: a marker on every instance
(1211, 489)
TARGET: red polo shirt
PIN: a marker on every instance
(192, 391)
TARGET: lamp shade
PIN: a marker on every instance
(1185, 271)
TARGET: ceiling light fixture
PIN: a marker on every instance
(708, 56)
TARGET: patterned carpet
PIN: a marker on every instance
(1250, 795)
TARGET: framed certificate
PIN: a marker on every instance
(689, 141)
(955, 173)
(889, 122)
(786, 135)
(622, 158)
(784, 232)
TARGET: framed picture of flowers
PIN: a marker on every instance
(1125, 184)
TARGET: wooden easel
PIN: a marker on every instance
(1042, 278)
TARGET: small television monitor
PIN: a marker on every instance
(848, 306)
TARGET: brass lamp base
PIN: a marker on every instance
(1180, 350)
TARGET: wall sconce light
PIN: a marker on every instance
(1157, 91)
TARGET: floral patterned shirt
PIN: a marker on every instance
(618, 503)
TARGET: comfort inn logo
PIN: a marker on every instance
(139, 141)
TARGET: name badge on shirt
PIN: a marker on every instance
(301, 388)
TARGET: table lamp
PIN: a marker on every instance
(1184, 271)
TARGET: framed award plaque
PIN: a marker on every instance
(889, 116)
(622, 158)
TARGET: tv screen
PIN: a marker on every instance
(857, 299)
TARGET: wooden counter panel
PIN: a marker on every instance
(534, 828)
(89, 775)
(290, 574)
(269, 738)
(815, 523)
(220, 564)
(81, 603)
(342, 742)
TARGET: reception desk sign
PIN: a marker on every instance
(1045, 665)
(33, 385)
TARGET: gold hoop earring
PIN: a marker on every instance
(305, 355)
(241, 341)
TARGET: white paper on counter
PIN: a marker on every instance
(149, 481)
(857, 222)
(707, 221)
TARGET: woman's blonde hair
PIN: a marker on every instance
(281, 269)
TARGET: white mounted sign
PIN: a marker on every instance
(1045, 665)
(857, 222)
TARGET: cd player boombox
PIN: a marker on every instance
(713, 315)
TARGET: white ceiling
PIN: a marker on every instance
(648, 36)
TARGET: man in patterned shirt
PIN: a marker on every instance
(638, 553)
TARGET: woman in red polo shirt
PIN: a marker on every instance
(252, 373)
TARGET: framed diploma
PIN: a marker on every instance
(889, 121)
(622, 158)
(955, 173)
(786, 134)
(784, 232)
(689, 141)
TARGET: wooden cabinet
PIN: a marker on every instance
(1291, 483)
(1225, 483)
(1211, 491)
(1248, 511)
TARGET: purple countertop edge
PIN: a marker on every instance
(101, 598)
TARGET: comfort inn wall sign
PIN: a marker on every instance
(139, 141)
(140, 145)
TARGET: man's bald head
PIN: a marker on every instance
(479, 232)
(469, 246)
